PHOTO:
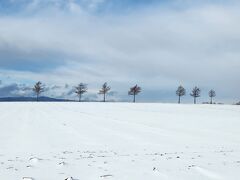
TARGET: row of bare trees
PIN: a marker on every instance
(195, 93)
(135, 90)
(82, 89)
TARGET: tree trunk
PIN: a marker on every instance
(211, 101)
(179, 99)
(134, 99)
(80, 96)
(37, 97)
(104, 97)
(194, 100)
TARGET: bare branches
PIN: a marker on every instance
(38, 89)
(180, 92)
(80, 90)
(104, 90)
(135, 90)
(195, 93)
(211, 94)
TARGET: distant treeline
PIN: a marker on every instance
(82, 88)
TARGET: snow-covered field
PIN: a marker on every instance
(119, 141)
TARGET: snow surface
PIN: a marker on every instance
(119, 141)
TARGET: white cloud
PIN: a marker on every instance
(158, 48)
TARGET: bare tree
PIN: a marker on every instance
(135, 90)
(104, 90)
(195, 93)
(38, 89)
(80, 90)
(180, 92)
(211, 94)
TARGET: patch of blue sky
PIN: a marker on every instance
(102, 7)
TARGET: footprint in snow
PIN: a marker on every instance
(67, 152)
(27, 178)
(70, 178)
(62, 163)
(34, 159)
(29, 166)
(106, 176)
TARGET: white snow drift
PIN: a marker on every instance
(119, 141)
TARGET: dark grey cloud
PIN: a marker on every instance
(15, 90)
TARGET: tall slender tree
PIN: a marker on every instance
(80, 90)
(180, 92)
(211, 94)
(195, 93)
(38, 89)
(135, 90)
(104, 90)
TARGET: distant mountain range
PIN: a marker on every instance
(42, 98)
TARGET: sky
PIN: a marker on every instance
(157, 44)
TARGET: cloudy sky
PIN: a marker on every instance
(157, 44)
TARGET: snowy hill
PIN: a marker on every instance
(119, 141)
